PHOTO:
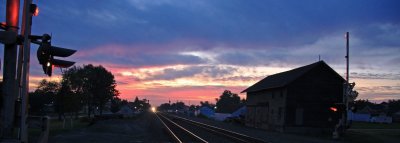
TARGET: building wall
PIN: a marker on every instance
(310, 97)
(266, 109)
(303, 103)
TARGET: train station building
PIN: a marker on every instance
(298, 98)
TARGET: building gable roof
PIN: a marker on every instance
(284, 78)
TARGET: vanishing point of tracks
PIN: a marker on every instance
(185, 130)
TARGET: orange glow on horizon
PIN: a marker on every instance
(159, 85)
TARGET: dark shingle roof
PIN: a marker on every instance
(282, 79)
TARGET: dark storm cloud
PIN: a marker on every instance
(279, 23)
(142, 60)
(87, 24)
(216, 71)
(379, 35)
(279, 57)
(170, 73)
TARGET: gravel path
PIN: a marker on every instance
(145, 128)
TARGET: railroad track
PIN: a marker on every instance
(178, 133)
(215, 131)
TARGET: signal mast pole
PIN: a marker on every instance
(24, 77)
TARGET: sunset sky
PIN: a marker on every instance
(192, 50)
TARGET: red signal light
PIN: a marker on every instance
(34, 10)
(334, 109)
(36, 13)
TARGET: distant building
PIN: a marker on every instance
(361, 117)
(206, 111)
(376, 114)
(240, 112)
(126, 111)
(297, 98)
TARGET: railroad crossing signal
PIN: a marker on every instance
(46, 53)
(350, 93)
(334, 109)
(338, 108)
(335, 112)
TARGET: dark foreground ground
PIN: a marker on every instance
(147, 128)
(359, 133)
(144, 128)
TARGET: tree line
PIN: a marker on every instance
(88, 87)
(137, 104)
(227, 102)
(390, 107)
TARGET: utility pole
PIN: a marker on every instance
(346, 87)
(9, 79)
(347, 56)
(341, 126)
(347, 74)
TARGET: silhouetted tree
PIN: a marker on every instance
(360, 104)
(71, 94)
(70, 102)
(394, 106)
(206, 104)
(45, 94)
(228, 102)
(100, 84)
(193, 107)
(36, 103)
(136, 103)
(93, 84)
(243, 101)
(141, 104)
(116, 104)
(178, 105)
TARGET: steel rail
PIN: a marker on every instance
(230, 134)
(184, 129)
(170, 132)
